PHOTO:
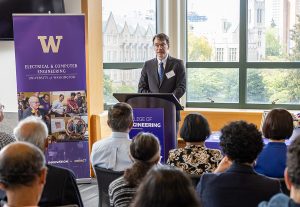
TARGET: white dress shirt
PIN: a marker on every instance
(112, 152)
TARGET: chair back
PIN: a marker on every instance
(104, 178)
(195, 179)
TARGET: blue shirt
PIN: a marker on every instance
(272, 160)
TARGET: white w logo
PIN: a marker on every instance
(51, 44)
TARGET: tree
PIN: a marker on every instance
(273, 47)
(256, 91)
(199, 48)
(295, 37)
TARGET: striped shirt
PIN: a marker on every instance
(120, 193)
(5, 139)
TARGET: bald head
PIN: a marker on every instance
(21, 168)
(32, 130)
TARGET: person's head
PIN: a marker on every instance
(120, 117)
(195, 128)
(22, 168)
(278, 124)
(145, 148)
(61, 97)
(36, 94)
(161, 45)
(78, 94)
(241, 142)
(73, 94)
(32, 130)
(1, 112)
(292, 172)
(46, 97)
(165, 186)
(145, 151)
(34, 102)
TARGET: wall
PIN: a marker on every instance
(8, 85)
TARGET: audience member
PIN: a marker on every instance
(72, 106)
(145, 151)
(22, 174)
(165, 187)
(292, 180)
(58, 107)
(5, 138)
(113, 152)
(235, 183)
(61, 187)
(277, 127)
(195, 158)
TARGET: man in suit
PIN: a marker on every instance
(61, 188)
(163, 74)
(235, 183)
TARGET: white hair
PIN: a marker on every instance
(32, 130)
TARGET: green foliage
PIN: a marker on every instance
(295, 36)
(273, 47)
(199, 48)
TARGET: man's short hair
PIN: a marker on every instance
(293, 162)
(162, 37)
(32, 99)
(120, 117)
(20, 164)
(32, 130)
(241, 142)
(278, 124)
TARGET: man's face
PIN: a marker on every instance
(34, 104)
(61, 98)
(161, 48)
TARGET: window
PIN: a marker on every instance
(127, 41)
(259, 52)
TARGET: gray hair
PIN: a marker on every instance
(33, 130)
(22, 168)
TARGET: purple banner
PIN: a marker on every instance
(50, 52)
(71, 155)
(149, 120)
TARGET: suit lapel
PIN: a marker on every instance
(167, 68)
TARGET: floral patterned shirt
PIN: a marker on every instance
(195, 159)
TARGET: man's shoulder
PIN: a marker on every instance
(278, 200)
(54, 170)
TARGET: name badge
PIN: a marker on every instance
(170, 74)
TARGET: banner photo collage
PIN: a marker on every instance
(51, 84)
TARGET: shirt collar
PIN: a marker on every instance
(163, 60)
(120, 135)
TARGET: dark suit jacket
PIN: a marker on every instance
(149, 81)
(239, 186)
(60, 189)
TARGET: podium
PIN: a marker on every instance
(167, 103)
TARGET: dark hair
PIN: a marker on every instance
(22, 168)
(46, 94)
(293, 162)
(73, 94)
(143, 148)
(278, 124)
(195, 128)
(120, 117)
(60, 95)
(241, 142)
(165, 186)
(162, 37)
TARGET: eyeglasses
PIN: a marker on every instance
(160, 45)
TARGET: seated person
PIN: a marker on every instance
(145, 151)
(72, 106)
(277, 127)
(113, 152)
(22, 174)
(33, 109)
(165, 187)
(195, 158)
(235, 183)
(58, 107)
(61, 187)
(5, 138)
(292, 180)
